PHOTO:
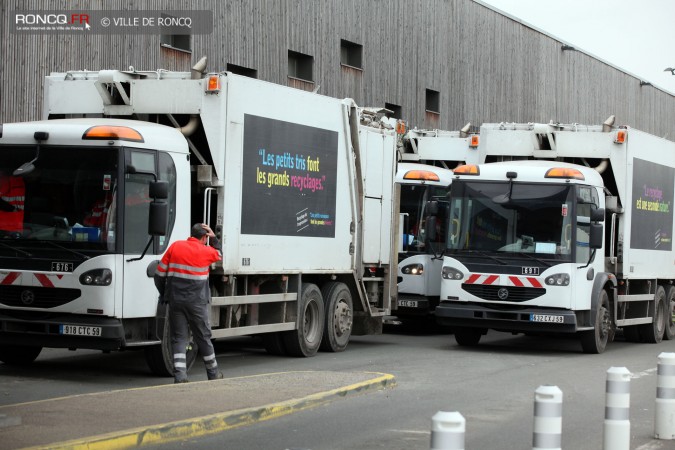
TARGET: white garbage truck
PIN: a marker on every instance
(424, 176)
(571, 233)
(300, 193)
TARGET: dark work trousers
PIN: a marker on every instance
(195, 316)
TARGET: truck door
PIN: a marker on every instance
(579, 236)
(139, 292)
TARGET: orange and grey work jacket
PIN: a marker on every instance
(183, 273)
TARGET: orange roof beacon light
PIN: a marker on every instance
(564, 172)
(400, 127)
(620, 136)
(423, 175)
(213, 84)
(474, 140)
(111, 132)
(467, 169)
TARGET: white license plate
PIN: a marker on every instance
(408, 303)
(79, 330)
(546, 318)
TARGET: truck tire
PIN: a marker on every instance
(160, 357)
(653, 332)
(669, 331)
(306, 339)
(339, 308)
(595, 341)
(274, 343)
(468, 337)
(18, 355)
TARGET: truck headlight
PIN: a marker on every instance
(450, 273)
(559, 279)
(412, 269)
(97, 277)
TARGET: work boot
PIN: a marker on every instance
(216, 376)
(184, 380)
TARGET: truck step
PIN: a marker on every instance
(634, 298)
(638, 321)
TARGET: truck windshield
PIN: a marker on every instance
(503, 219)
(67, 202)
(414, 198)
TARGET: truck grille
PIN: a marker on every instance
(515, 294)
(36, 297)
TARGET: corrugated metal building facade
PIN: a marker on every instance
(442, 62)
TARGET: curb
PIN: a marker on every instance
(216, 423)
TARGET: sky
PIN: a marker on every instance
(637, 36)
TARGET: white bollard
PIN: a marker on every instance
(447, 431)
(616, 431)
(664, 421)
(547, 433)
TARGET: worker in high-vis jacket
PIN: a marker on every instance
(182, 279)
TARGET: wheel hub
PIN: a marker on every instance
(342, 318)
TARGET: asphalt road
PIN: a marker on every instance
(491, 385)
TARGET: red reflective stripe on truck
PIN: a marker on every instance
(44, 280)
(481, 279)
(491, 279)
(10, 278)
(472, 279)
(534, 282)
(525, 282)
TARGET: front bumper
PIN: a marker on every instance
(512, 319)
(40, 329)
(424, 306)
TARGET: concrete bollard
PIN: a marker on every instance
(616, 431)
(447, 431)
(664, 420)
(547, 433)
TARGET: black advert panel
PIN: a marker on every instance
(652, 208)
(289, 179)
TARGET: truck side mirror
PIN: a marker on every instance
(431, 208)
(159, 190)
(430, 228)
(595, 238)
(158, 218)
(597, 214)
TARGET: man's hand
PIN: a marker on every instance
(209, 231)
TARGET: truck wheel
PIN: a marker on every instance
(669, 330)
(160, 357)
(274, 343)
(595, 340)
(468, 337)
(18, 354)
(339, 317)
(653, 332)
(306, 339)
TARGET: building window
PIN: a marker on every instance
(395, 110)
(300, 66)
(433, 101)
(351, 54)
(176, 41)
(240, 70)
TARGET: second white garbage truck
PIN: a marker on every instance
(300, 193)
(573, 233)
(424, 177)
